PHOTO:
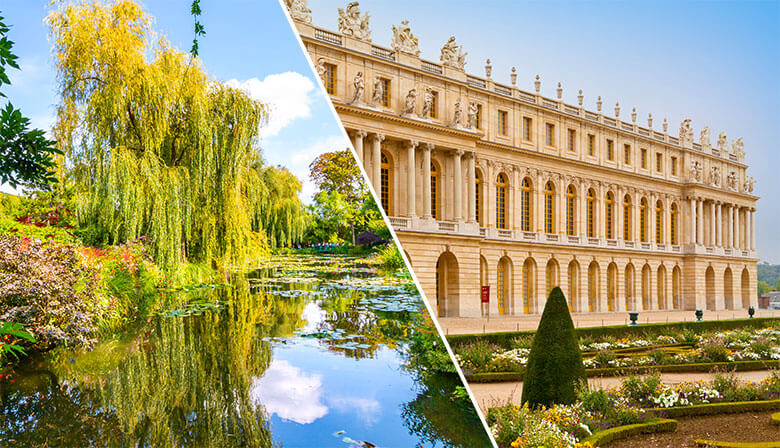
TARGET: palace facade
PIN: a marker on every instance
(489, 185)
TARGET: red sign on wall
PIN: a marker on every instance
(485, 296)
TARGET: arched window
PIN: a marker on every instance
(610, 216)
(434, 191)
(643, 220)
(501, 201)
(571, 197)
(659, 222)
(549, 197)
(591, 212)
(627, 218)
(525, 205)
(673, 223)
(386, 184)
(478, 197)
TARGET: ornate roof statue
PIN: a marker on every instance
(452, 54)
(299, 10)
(723, 142)
(704, 137)
(686, 133)
(352, 24)
(738, 149)
(404, 40)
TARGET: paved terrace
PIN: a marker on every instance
(470, 325)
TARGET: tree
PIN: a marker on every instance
(763, 287)
(26, 155)
(339, 171)
(157, 147)
(555, 363)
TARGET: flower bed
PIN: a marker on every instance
(673, 349)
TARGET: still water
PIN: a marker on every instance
(308, 353)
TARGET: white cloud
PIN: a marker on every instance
(288, 392)
(366, 409)
(288, 95)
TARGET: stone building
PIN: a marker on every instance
(489, 185)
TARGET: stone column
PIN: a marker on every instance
(748, 232)
(472, 180)
(693, 221)
(427, 148)
(376, 161)
(712, 224)
(718, 225)
(737, 232)
(411, 190)
(458, 186)
(357, 143)
(699, 221)
(617, 210)
(752, 230)
(730, 226)
(651, 220)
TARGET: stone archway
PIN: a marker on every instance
(529, 286)
(573, 294)
(447, 285)
(677, 288)
(646, 292)
(661, 286)
(728, 289)
(612, 279)
(504, 285)
(709, 288)
(594, 287)
(745, 288)
(630, 288)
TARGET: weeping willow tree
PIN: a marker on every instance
(156, 148)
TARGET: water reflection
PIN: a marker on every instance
(299, 360)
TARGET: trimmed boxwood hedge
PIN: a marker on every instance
(718, 408)
(655, 425)
(775, 419)
(716, 444)
(741, 366)
(504, 339)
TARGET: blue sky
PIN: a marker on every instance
(717, 63)
(247, 41)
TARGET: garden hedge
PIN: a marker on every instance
(655, 425)
(647, 348)
(504, 339)
(716, 444)
(718, 408)
(775, 419)
(740, 366)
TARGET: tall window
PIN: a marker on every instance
(627, 154)
(674, 166)
(571, 197)
(643, 220)
(549, 135)
(591, 212)
(385, 184)
(478, 197)
(527, 124)
(434, 113)
(434, 191)
(330, 79)
(572, 138)
(501, 201)
(500, 292)
(673, 222)
(643, 153)
(610, 218)
(610, 150)
(502, 126)
(478, 118)
(659, 222)
(591, 145)
(385, 92)
(525, 205)
(659, 162)
(627, 218)
(549, 195)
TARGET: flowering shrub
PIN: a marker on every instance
(521, 427)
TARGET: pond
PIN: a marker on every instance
(309, 351)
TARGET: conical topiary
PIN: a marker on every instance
(555, 363)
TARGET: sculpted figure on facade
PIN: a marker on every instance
(352, 24)
(723, 142)
(686, 133)
(457, 115)
(299, 10)
(404, 40)
(748, 186)
(452, 54)
(738, 149)
(704, 137)
(696, 171)
(321, 70)
(379, 90)
(472, 115)
(427, 102)
(360, 85)
(731, 180)
(715, 176)
(409, 103)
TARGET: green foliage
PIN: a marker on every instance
(427, 354)
(768, 273)
(199, 29)
(764, 287)
(390, 257)
(175, 152)
(555, 363)
(656, 425)
(26, 155)
(10, 334)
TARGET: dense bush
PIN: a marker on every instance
(390, 257)
(555, 363)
